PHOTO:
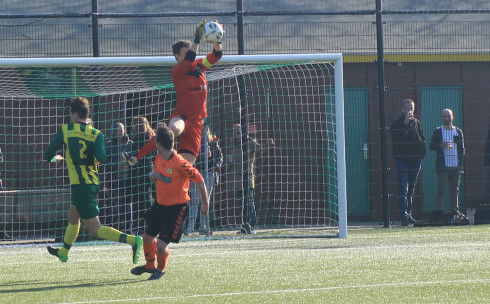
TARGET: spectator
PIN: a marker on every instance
(119, 210)
(141, 186)
(408, 142)
(238, 170)
(3, 234)
(209, 143)
(448, 142)
(487, 163)
(1, 161)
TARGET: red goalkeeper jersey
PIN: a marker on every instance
(191, 85)
(173, 186)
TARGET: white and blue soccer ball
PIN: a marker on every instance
(213, 32)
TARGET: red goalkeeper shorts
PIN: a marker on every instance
(190, 139)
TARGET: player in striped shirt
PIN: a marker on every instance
(165, 220)
(84, 149)
(191, 87)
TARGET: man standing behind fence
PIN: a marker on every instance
(448, 143)
(487, 163)
(408, 142)
(3, 234)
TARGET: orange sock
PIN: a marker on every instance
(163, 259)
(150, 252)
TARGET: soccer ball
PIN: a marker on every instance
(213, 32)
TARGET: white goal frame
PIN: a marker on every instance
(335, 58)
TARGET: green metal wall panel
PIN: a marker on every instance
(357, 136)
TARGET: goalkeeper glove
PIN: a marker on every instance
(199, 31)
(131, 159)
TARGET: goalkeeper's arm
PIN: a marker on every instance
(133, 159)
(197, 36)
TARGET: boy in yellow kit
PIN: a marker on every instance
(84, 148)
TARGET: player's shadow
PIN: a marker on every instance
(57, 285)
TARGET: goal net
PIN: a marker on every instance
(278, 120)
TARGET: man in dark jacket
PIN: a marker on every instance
(487, 163)
(3, 234)
(448, 142)
(120, 210)
(408, 150)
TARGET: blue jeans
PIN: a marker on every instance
(488, 186)
(209, 179)
(407, 173)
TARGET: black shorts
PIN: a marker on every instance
(166, 222)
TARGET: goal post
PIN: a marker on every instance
(290, 107)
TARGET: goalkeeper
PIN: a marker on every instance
(171, 173)
(191, 87)
(84, 148)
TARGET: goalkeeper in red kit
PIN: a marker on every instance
(191, 87)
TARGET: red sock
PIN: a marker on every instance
(150, 252)
(163, 259)
(148, 147)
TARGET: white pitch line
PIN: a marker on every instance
(283, 291)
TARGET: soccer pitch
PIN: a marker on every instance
(398, 265)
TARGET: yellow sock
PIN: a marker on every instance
(71, 234)
(115, 235)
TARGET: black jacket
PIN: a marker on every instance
(435, 145)
(215, 159)
(487, 149)
(408, 140)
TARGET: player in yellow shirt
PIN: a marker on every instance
(84, 148)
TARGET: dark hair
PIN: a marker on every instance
(81, 106)
(179, 45)
(165, 137)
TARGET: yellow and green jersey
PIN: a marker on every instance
(84, 147)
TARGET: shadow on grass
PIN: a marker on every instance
(57, 285)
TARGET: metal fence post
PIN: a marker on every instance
(382, 115)
(240, 25)
(95, 28)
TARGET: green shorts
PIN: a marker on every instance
(84, 198)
